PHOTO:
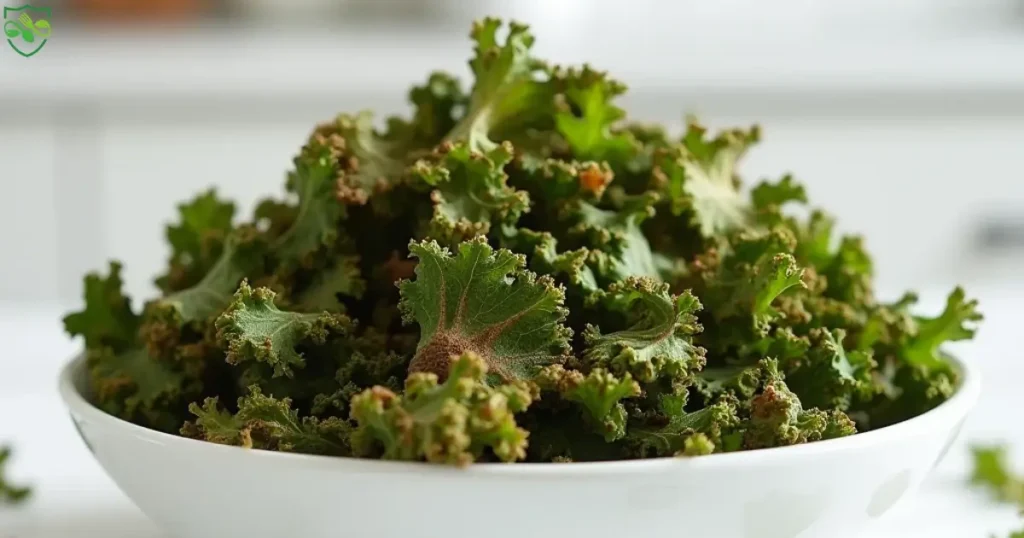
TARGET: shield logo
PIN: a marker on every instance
(27, 28)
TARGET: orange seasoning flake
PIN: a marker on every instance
(594, 178)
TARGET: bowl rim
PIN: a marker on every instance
(951, 411)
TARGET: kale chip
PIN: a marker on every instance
(515, 272)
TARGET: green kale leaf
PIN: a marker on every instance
(541, 249)
(827, 376)
(254, 329)
(992, 471)
(767, 195)
(342, 279)
(618, 246)
(9, 493)
(700, 178)
(348, 158)
(509, 93)
(454, 422)
(599, 394)
(778, 418)
(956, 322)
(739, 381)
(587, 115)
(196, 241)
(243, 254)
(107, 319)
(437, 103)
(678, 432)
(470, 191)
(658, 340)
(315, 181)
(908, 390)
(266, 423)
(483, 301)
(741, 289)
(136, 386)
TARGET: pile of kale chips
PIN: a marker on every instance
(515, 273)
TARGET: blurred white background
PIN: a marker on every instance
(905, 118)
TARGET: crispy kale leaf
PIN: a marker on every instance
(313, 230)
(126, 380)
(678, 432)
(700, 178)
(570, 266)
(587, 115)
(658, 341)
(826, 375)
(348, 155)
(197, 239)
(846, 269)
(908, 390)
(254, 329)
(243, 254)
(267, 423)
(957, 322)
(598, 394)
(554, 184)
(342, 279)
(107, 319)
(136, 386)
(740, 290)
(992, 472)
(509, 94)
(483, 301)
(437, 106)
(913, 376)
(618, 247)
(778, 418)
(9, 493)
(315, 181)
(470, 192)
(772, 196)
(454, 422)
(739, 381)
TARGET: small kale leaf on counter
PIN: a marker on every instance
(993, 473)
(515, 271)
(10, 493)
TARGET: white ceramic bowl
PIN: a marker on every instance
(829, 489)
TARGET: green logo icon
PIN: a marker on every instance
(27, 28)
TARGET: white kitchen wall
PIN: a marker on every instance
(28, 223)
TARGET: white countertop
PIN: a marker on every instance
(73, 497)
